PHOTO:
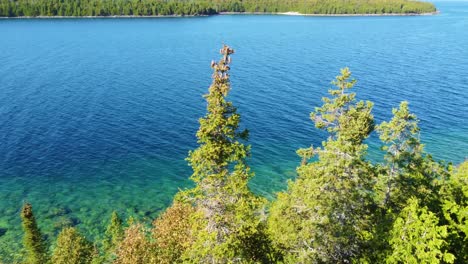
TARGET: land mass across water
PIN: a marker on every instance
(301, 14)
(170, 8)
(224, 14)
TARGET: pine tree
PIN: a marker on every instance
(72, 248)
(33, 241)
(417, 238)
(226, 215)
(323, 215)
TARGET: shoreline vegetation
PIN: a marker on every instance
(341, 208)
(227, 14)
(185, 8)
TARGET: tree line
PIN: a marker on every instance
(34, 8)
(341, 208)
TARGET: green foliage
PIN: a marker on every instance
(417, 238)
(323, 216)
(16, 8)
(172, 232)
(227, 212)
(72, 248)
(340, 209)
(455, 207)
(113, 236)
(403, 157)
(135, 248)
(408, 170)
(33, 241)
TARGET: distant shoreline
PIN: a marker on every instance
(329, 15)
(109, 17)
(228, 13)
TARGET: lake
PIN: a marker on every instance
(98, 115)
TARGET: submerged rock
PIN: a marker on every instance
(58, 211)
(3, 231)
(65, 221)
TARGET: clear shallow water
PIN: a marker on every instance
(98, 114)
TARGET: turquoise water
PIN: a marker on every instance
(98, 114)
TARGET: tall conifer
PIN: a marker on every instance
(408, 171)
(227, 211)
(323, 215)
(113, 236)
(33, 241)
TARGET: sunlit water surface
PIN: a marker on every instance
(98, 114)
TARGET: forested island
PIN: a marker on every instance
(136, 8)
(341, 208)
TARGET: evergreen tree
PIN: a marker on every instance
(455, 207)
(408, 170)
(226, 215)
(72, 248)
(205, 7)
(324, 214)
(135, 248)
(340, 209)
(172, 232)
(33, 241)
(113, 236)
(417, 238)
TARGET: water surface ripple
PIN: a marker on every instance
(98, 114)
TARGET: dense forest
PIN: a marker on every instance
(34, 8)
(341, 208)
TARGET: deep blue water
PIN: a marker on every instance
(98, 114)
